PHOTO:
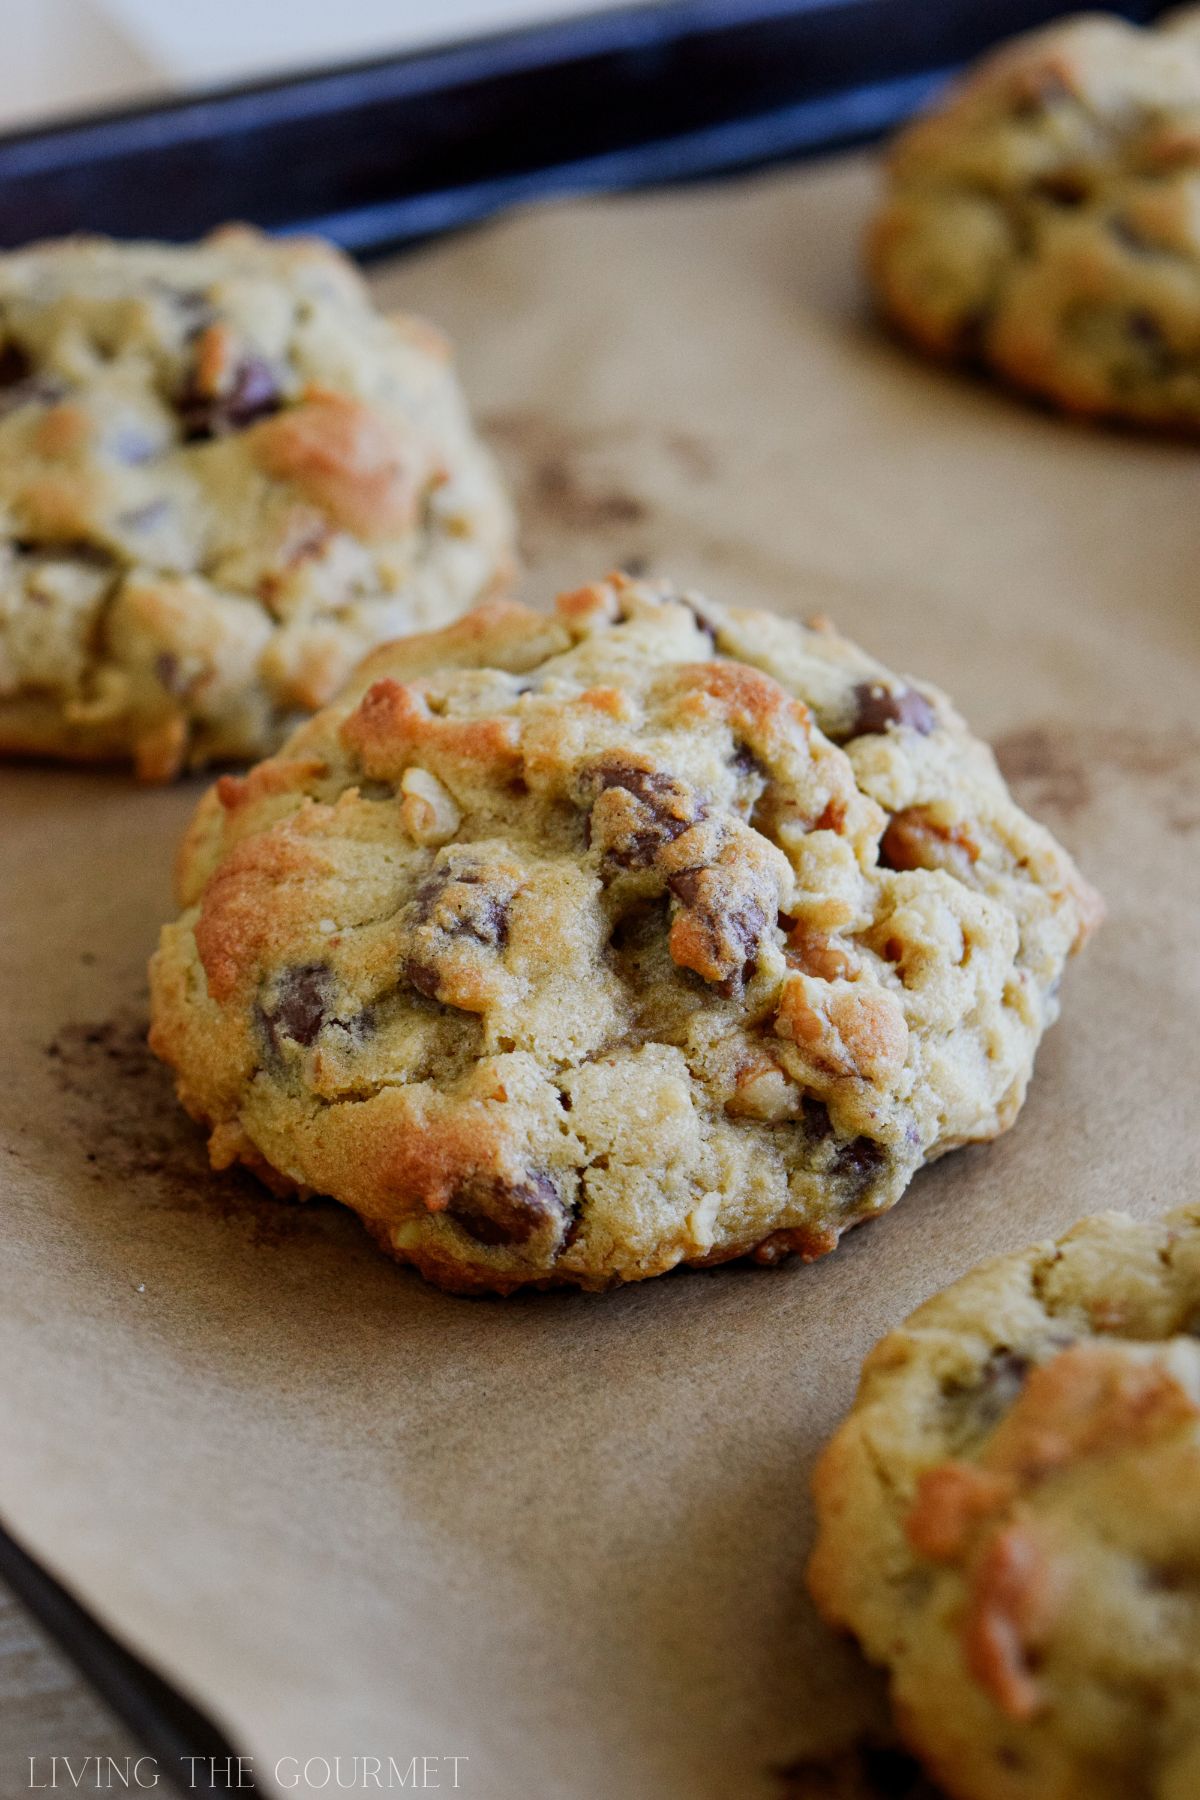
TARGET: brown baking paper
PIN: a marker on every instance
(562, 1536)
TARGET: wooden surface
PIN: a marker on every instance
(46, 1710)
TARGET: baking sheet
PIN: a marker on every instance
(561, 1537)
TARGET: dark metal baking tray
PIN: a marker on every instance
(189, 1750)
(388, 151)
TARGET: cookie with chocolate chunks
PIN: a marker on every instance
(566, 949)
(1041, 220)
(1009, 1519)
(223, 477)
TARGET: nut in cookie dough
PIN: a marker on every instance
(223, 477)
(573, 948)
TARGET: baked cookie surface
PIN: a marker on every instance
(572, 948)
(223, 477)
(1009, 1519)
(1044, 220)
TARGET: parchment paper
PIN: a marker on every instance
(563, 1536)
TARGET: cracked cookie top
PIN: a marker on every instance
(223, 477)
(1044, 219)
(571, 948)
(1010, 1519)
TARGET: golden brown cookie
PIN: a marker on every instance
(1009, 1519)
(1043, 220)
(223, 477)
(573, 948)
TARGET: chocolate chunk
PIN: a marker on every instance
(253, 395)
(744, 762)
(494, 1211)
(877, 707)
(461, 903)
(733, 927)
(458, 902)
(663, 808)
(688, 886)
(1144, 328)
(22, 385)
(15, 365)
(300, 1005)
(434, 886)
(815, 1114)
(78, 550)
(703, 618)
(1003, 1376)
(423, 976)
(755, 780)
(858, 1162)
(1146, 332)
(1065, 187)
(970, 335)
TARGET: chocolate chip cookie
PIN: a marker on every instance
(1010, 1519)
(571, 948)
(223, 477)
(1043, 220)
